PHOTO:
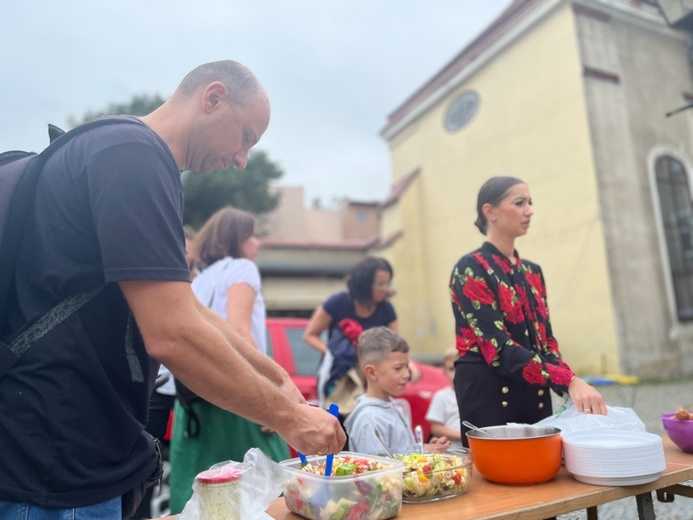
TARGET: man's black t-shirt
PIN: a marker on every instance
(72, 411)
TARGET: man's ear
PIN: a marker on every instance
(369, 372)
(214, 95)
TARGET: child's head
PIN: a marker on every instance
(384, 359)
(449, 359)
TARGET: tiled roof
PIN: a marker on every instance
(350, 244)
(400, 187)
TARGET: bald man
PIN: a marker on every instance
(107, 232)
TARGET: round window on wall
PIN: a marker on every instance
(461, 110)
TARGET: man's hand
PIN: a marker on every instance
(313, 431)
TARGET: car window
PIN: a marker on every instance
(306, 358)
(268, 343)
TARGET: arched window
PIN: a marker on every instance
(677, 217)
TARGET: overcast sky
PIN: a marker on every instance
(333, 69)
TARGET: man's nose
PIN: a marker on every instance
(240, 160)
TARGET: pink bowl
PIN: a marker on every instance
(680, 431)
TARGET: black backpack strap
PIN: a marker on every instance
(54, 132)
(11, 351)
(20, 206)
(21, 200)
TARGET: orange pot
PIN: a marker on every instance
(521, 455)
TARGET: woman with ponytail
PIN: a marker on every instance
(508, 357)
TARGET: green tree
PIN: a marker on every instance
(205, 193)
(246, 189)
(140, 105)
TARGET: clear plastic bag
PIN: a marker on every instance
(257, 483)
(569, 419)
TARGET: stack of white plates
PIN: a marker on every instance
(613, 457)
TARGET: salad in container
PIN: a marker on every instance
(363, 487)
(435, 476)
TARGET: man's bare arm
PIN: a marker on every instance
(262, 363)
(178, 332)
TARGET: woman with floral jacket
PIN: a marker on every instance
(509, 359)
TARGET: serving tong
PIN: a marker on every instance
(418, 433)
(382, 442)
(476, 428)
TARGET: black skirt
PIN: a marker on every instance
(486, 399)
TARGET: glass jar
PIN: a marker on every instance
(219, 493)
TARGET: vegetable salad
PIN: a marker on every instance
(344, 466)
(433, 476)
(360, 489)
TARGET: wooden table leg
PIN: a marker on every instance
(667, 494)
(645, 506)
(592, 513)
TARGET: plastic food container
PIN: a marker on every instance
(522, 455)
(435, 476)
(371, 495)
(219, 493)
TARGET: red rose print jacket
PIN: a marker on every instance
(502, 318)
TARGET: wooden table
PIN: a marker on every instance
(563, 494)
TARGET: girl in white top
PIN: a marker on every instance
(443, 413)
(230, 286)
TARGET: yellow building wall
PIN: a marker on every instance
(531, 123)
(411, 281)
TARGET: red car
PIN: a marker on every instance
(285, 344)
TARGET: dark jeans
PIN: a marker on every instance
(109, 510)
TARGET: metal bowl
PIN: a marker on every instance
(521, 455)
(515, 431)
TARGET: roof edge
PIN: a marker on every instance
(399, 188)
(355, 245)
(473, 51)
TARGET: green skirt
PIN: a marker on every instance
(222, 436)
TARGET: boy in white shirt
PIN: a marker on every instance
(384, 359)
(443, 413)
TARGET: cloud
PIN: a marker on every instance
(334, 70)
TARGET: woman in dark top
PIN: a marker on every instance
(509, 359)
(364, 301)
(362, 306)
